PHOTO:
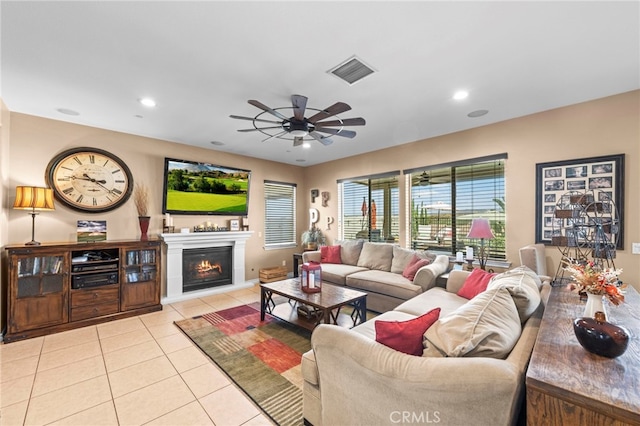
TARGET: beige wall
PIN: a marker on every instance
(602, 127)
(35, 141)
(5, 127)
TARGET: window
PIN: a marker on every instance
(369, 207)
(446, 198)
(279, 215)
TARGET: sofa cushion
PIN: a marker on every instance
(406, 336)
(522, 284)
(412, 268)
(330, 254)
(486, 326)
(401, 258)
(386, 283)
(436, 297)
(376, 256)
(475, 283)
(350, 251)
(337, 273)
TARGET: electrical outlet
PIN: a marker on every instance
(284, 263)
(635, 248)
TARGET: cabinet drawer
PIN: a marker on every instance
(92, 311)
(95, 296)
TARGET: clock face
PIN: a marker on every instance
(89, 179)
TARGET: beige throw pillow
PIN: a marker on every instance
(376, 256)
(401, 258)
(350, 251)
(522, 284)
(486, 326)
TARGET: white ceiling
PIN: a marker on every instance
(202, 61)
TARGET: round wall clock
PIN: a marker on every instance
(89, 179)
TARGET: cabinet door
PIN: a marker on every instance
(140, 284)
(39, 292)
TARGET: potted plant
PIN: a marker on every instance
(141, 199)
(312, 237)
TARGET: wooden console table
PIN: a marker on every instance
(566, 385)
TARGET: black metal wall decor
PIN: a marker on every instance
(592, 188)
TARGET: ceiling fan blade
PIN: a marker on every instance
(299, 103)
(337, 108)
(274, 136)
(338, 132)
(322, 139)
(263, 107)
(239, 117)
(262, 128)
(297, 141)
(359, 121)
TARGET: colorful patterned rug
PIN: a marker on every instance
(262, 358)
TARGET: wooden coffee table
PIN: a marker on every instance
(324, 307)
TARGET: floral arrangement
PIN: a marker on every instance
(589, 277)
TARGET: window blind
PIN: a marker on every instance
(280, 214)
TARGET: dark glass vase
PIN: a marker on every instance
(601, 337)
(144, 227)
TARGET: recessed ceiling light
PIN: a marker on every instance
(460, 94)
(138, 116)
(217, 143)
(67, 111)
(306, 145)
(478, 113)
(148, 102)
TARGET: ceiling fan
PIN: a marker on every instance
(297, 126)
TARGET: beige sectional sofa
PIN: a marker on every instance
(461, 379)
(376, 268)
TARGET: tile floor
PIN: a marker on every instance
(135, 371)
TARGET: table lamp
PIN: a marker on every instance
(35, 199)
(480, 228)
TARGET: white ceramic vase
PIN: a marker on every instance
(594, 304)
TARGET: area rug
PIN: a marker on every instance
(262, 358)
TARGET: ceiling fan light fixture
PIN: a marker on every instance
(299, 133)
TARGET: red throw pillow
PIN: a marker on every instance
(406, 336)
(475, 283)
(330, 254)
(412, 267)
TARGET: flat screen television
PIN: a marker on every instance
(196, 188)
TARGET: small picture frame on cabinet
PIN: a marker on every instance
(234, 225)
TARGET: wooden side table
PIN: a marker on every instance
(297, 258)
(566, 385)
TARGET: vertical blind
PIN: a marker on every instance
(369, 207)
(445, 199)
(280, 214)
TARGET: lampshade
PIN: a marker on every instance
(33, 198)
(480, 228)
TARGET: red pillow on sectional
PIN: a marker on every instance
(406, 336)
(475, 283)
(330, 254)
(412, 267)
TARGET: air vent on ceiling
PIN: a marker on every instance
(352, 70)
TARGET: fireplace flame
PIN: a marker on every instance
(206, 266)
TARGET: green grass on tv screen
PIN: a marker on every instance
(199, 202)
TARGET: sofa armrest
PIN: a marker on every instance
(357, 374)
(426, 276)
(311, 256)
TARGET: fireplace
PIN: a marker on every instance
(177, 243)
(206, 268)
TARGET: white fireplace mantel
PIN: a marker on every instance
(178, 242)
